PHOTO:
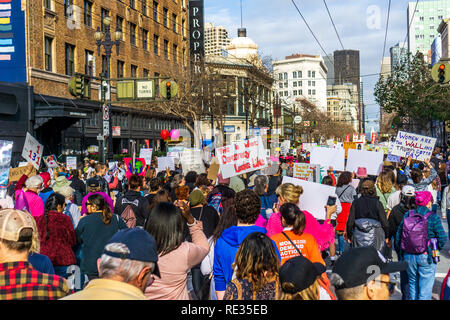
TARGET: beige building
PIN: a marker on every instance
(342, 104)
(443, 30)
(216, 39)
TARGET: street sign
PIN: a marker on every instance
(145, 89)
(297, 119)
(105, 128)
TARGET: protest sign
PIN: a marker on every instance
(242, 157)
(50, 161)
(213, 171)
(328, 157)
(308, 146)
(71, 163)
(414, 145)
(139, 167)
(306, 171)
(285, 147)
(314, 196)
(5, 162)
(146, 154)
(192, 160)
(390, 157)
(173, 154)
(166, 162)
(16, 173)
(32, 151)
(372, 161)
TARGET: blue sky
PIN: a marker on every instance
(278, 29)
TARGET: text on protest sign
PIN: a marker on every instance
(306, 171)
(166, 162)
(71, 163)
(192, 160)
(32, 151)
(242, 157)
(146, 154)
(414, 145)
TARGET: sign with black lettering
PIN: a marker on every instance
(196, 34)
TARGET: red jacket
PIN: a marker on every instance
(61, 239)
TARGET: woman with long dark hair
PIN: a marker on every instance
(256, 266)
(94, 231)
(56, 234)
(175, 256)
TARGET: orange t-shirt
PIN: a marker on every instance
(306, 243)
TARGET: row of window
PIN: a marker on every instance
(295, 93)
(431, 18)
(89, 61)
(296, 75)
(88, 14)
(311, 83)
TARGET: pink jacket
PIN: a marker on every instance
(175, 265)
(323, 233)
(34, 203)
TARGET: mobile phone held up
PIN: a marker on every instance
(331, 201)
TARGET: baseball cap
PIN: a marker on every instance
(12, 222)
(301, 272)
(357, 265)
(409, 191)
(93, 183)
(141, 244)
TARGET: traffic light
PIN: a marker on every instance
(168, 90)
(441, 72)
(79, 86)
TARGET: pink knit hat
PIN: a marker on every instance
(361, 172)
(423, 198)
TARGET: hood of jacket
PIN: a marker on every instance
(234, 235)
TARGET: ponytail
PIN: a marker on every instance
(294, 217)
(107, 215)
(52, 203)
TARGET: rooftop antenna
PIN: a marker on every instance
(242, 32)
(241, 14)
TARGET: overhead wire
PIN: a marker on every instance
(332, 21)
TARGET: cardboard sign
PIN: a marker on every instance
(166, 162)
(306, 171)
(16, 173)
(146, 154)
(314, 197)
(329, 157)
(192, 160)
(32, 151)
(414, 145)
(372, 161)
(139, 167)
(71, 163)
(242, 157)
(348, 145)
(213, 171)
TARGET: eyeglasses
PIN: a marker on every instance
(391, 286)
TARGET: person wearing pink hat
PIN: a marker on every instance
(47, 191)
(421, 265)
(360, 174)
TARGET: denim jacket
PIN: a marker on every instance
(422, 185)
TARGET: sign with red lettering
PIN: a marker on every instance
(242, 157)
(414, 145)
(32, 151)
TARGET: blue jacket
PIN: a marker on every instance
(422, 185)
(225, 251)
(41, 263)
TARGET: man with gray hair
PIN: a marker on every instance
(126, 268)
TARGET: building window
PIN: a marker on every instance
(144, 7)
(300, 83)
(89, 63)
(183, 30)
(145, 73)
(103, 13)
(280, 76)
(156, 44)
(155, 11)
(174, 23)
(313, 83)
(68, 4)
(48, 4)
(132, 4)
(313, 74)
(133, 71)
(166, 49)
(300, 92)
(314, 91)
(48, 52)
(285, 76)
(309, 83)
(120, 67)
(145, 39)
(119, 25)
(132, 34)
(70, 59)
(165, 13)
(175, 53)
(295, 92)
(281, 85)
(87, 13)
(295, 83)
(294, 74)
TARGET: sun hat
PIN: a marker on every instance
(60, 182)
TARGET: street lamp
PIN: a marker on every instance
(104, 39)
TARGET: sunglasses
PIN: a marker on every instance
(390, 285)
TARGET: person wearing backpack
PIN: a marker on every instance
(413, 243)
(132, 199)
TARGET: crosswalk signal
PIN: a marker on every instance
(441, 72)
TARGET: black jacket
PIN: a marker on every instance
(395, 218)
(368, 207)
(139, 204)
(78, 185)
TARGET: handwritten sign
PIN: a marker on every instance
(390, 157)
(32, 151)
(307, 172)
(192, 160)
(308, 146)
(71, 163)
(414, 145)
(16, 173)
(166, 162)
(146, 154)
(242, 157)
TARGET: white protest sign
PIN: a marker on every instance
(372, 161)
(328, 157)
(308, 146)
(242, 157)
(390, 157)
(414, 145)
(173, 154)
(306, 171)
(166, 162)
(146, 154)
(284, 147)
(32, 151)
(71, 163)
(192, 160)
(314, 197)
